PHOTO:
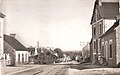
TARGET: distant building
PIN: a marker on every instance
(66, 58)
(103, 17)
(15, 53)
(42, 55)
(86, 52)
(31, 54)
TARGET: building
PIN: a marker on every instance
(1, 34)
(91, 51)
(86, 52)
(103, 17)
(2, 16)
(42, 55)
(15, 53)
(111, 46)
(31, 54)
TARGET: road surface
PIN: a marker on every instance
(44, 70)
(71, 68)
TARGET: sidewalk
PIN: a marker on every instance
(88, 69)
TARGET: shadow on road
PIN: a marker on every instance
(83, 66)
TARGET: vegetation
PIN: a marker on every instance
(46, 57)
(59, 52)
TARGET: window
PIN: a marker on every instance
(94, 31)
(22, 58)
(103, 50)
(110, 50)
(5, 56)
(99, 44)
(94, 45)
(18, 58)
(100, 28)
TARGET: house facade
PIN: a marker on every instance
(110, 46)
(103, 17)
(15, 53)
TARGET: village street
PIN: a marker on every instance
(36, 70)
(67, 68)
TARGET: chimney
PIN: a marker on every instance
(13, 35)
(100, 2)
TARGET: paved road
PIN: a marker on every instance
(45, 70)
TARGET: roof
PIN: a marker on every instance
(91, 40)
(111, 29)
(2, 15)
(14, 43)
(108, 10)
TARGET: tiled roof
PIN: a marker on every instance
(109, 10)
(111, 29)
(14, 43)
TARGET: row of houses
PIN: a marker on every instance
(105, 41)
(16, 54)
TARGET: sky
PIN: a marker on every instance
(54, 23)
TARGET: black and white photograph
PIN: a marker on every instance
(59, 37)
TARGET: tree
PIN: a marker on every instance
(59, 52)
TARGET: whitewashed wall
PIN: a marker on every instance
(22, 52)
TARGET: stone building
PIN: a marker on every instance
(103, 17)
(110, 46)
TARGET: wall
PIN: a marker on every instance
(118, 44)
(25, 53)
(11, 51)
(110, 61)
(91, 52)
(1, 43)
(1, 37)
(96, 51)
